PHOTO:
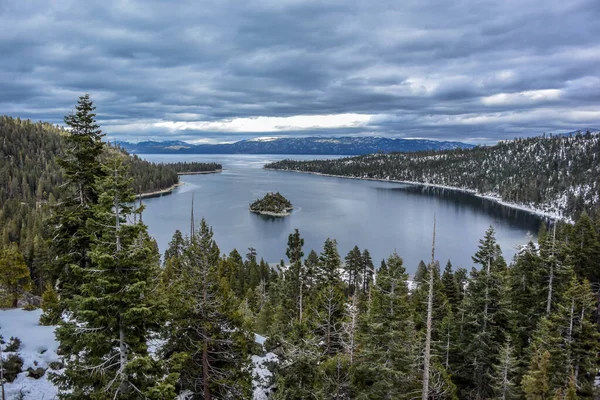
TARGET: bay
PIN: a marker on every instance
(381, 216)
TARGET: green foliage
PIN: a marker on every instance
(51, 306)
(14, 275)
(32, 182)
(113, 312)
(12, 366)
(14, 344)
(191, 167)
(272, 203)
(536, 383)
(386, 364)
(205, 329)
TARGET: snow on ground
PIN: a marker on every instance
(38, 349)
(37, 346)
(261, 376)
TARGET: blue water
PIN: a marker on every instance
(379, 216)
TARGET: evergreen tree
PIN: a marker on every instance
(295, 275)
(104, 341)
(536, 383)
(386, 362)
(205, 329)
(527, 281)
(14, 275)
(82, 169)
(571, 337)
(329, 264)
(368, 271)
(486, 315)
(353, 269)
(451, 287)
(420, 273)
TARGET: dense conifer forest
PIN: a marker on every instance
(555, 174)
(132, 327)
(187, 167)
(32, 182)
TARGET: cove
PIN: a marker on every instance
(381, 216)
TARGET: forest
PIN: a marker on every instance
(338, 328)
(32, 181)
(555, 174)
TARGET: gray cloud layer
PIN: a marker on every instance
(201, 70)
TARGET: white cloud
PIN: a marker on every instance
(527, 97)
(269, 124)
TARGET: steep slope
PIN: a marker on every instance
(308, 145)
(557, 175)
(30, 180)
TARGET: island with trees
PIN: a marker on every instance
(273, 204)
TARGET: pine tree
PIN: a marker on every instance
(51, 307)
(451, 287)
(104, 341)
(386, 364)
(420, 273)
(295, 275)
(368, 271)
(353, 268)
(527, 281)
(82, 170)
(571, 337)
(486, 319)
(536, 383)
(14, 275)
(204, 328)
(329, 264)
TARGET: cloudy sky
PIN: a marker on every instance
(219, 70)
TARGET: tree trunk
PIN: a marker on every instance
(427, 358)
(551, 278)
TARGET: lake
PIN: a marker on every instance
(379, 216)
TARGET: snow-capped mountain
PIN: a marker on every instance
(309, 145)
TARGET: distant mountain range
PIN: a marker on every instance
(309, 145)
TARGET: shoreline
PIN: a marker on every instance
(162, 192)
(216, 171)
(532, 210)
(158, 193)
(286, 213)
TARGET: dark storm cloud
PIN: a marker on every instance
(461, 69)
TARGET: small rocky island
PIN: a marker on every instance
(273, 204)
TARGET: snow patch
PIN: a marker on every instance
(38, 346)
(261, 375)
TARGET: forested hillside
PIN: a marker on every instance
(31, 180)
(194, 167)
(557, 175)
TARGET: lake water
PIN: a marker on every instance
(379, 216)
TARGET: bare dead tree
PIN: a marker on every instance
(427, 357)
(350, 327)
(551, 277)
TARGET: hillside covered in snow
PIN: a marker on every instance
(558, 175)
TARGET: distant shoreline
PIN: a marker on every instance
(532, 210)
(159, 193)
(162, 192)
(200, 172)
